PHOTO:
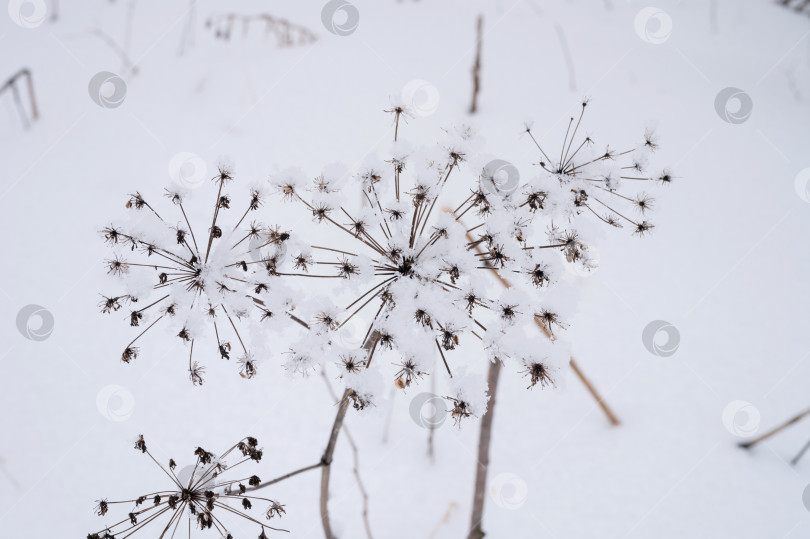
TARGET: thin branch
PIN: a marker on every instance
(798, 417)
(591, 389)
(356, 457)
(800, 454)
(572, 82)
(286, 476)
(326, 463)
(476, 71)
(484, 440)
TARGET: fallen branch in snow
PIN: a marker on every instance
(12, 85)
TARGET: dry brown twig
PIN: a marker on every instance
(776, 430)
(356, 459)
(288, 34)
(485, 436)
(12, 85)
(476, 71)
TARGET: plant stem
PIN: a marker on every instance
(483, 453)
(326, 463)
(751, 443)
(477, 66)
(287, 476)
(592, 390)
(356, 455)
(800, 454)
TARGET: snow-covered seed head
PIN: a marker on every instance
(418, 265)
(537, 372)
(202, 283)
(460, 410)
(597, 181)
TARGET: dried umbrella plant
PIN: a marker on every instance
(424, 286)
(216, 280)
(582, 180)
(422, 271)
(577, 181)
(203, 498)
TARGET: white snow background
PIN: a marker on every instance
(727, 264)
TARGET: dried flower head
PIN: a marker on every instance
(580, 179)
(193, 280)
(419, 269)
(538, 372)
(204, 499)
(460, 410)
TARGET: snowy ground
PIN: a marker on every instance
(727, 264)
